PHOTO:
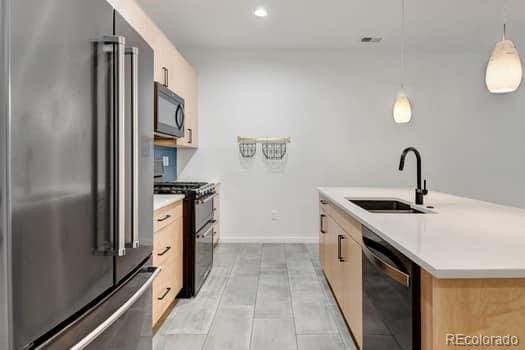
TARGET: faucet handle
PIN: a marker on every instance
(425, 191)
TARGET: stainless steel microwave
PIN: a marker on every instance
(169, 112)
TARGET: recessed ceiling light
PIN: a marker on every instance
(260, 12)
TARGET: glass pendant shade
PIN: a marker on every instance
(504, 71)
(402, 108)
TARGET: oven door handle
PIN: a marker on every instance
(391, 271)
(206, 199)
(205, 234)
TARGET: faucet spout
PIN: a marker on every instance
(420, 192)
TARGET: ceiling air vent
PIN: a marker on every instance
(371, 39)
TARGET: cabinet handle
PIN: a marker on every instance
(168, 290)
(166, 76)
(164, 218)
(339, 253)
(323, 201)
(164, 251)
(322, 224)
(191, 136)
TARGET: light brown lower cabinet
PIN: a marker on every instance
(167, 254)
(341, 259)
(353, 287)
(454, 308)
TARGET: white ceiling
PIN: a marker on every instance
(430, 24)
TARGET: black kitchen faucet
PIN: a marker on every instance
(420, 192)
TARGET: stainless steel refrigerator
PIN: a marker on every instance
(76, 204)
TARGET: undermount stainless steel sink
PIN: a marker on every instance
(385, 206)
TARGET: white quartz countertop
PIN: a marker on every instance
(163, 200)
(461, 238)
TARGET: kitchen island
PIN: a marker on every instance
(470, 253)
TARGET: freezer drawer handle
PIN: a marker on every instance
(168, 290)
(121, 311)
(164, 251)
(164, 218)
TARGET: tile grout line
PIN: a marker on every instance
(219, 302)
(256, 295)
(291, 300)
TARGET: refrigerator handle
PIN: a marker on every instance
(88, 339)
(133, 54)
(119, 115)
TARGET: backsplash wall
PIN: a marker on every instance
(170, 171)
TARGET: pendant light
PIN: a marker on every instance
(504, 71)
(402, 109)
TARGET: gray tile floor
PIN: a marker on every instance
(259, 297)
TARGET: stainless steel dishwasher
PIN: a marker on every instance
(391, 297)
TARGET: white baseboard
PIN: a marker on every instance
(263, 239)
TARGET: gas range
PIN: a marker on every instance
(198, 230)
(196, 190)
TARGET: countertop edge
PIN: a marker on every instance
(437, 273)
(163, 200)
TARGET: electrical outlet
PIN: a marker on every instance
(275, 215)
(166, 161)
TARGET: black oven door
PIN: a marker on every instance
(169, 112)
(203, 254)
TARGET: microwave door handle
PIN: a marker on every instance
(133, 54)
(179, 123)
(183, 117)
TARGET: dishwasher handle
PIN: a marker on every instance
(389, 270)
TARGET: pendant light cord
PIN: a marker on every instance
(505, 19)
(402, 43)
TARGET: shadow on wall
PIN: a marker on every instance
(184, 157)
(169, 155)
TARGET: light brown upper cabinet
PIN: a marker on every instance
(173, 70)
(182, 77)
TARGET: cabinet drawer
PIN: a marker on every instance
(346, 221)
(165, 216)
(167, 242)
(164, 289)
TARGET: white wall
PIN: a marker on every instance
(336, 106)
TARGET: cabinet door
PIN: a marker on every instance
(334, 269)
(322, 238)
(353, 287)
